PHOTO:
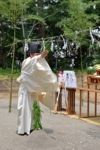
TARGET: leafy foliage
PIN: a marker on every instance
(16, 11)
(77, 20)
(90, 70)
(69, 17)
(37, 116)
(12, 10)
(96, 57)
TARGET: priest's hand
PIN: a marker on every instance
(44, 53)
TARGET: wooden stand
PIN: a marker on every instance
(93, 79)
(98, 71)
(70, 101)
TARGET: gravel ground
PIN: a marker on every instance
(60, 132)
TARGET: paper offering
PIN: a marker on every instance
(69, 79)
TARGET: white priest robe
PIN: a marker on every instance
(36, 78)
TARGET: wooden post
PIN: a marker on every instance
(88, 95)
(71, 100)
(95, 101)
(80, 108)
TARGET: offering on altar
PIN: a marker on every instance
(67, 79)
(70, 79)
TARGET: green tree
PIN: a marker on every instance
(15, 11)
(77, 23)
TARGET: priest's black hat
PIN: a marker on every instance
(35, 47)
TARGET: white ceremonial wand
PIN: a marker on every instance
(65, 96)
(43, 42)
(56, 105)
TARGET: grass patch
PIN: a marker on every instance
(79, 73)
(5, 73)
(3, 77)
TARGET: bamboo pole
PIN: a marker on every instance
(12, 70)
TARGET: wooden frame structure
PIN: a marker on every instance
(88, 101)
(70, 106)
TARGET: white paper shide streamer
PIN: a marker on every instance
(92, 38)
(26, 46)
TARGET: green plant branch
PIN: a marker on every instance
(37, 116)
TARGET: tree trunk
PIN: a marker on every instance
(41, 25)
(3, 42)
(4, 59)
(41, 30)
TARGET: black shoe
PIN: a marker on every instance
(31, 131)
(20, 134)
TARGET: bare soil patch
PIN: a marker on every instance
(5, 90)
